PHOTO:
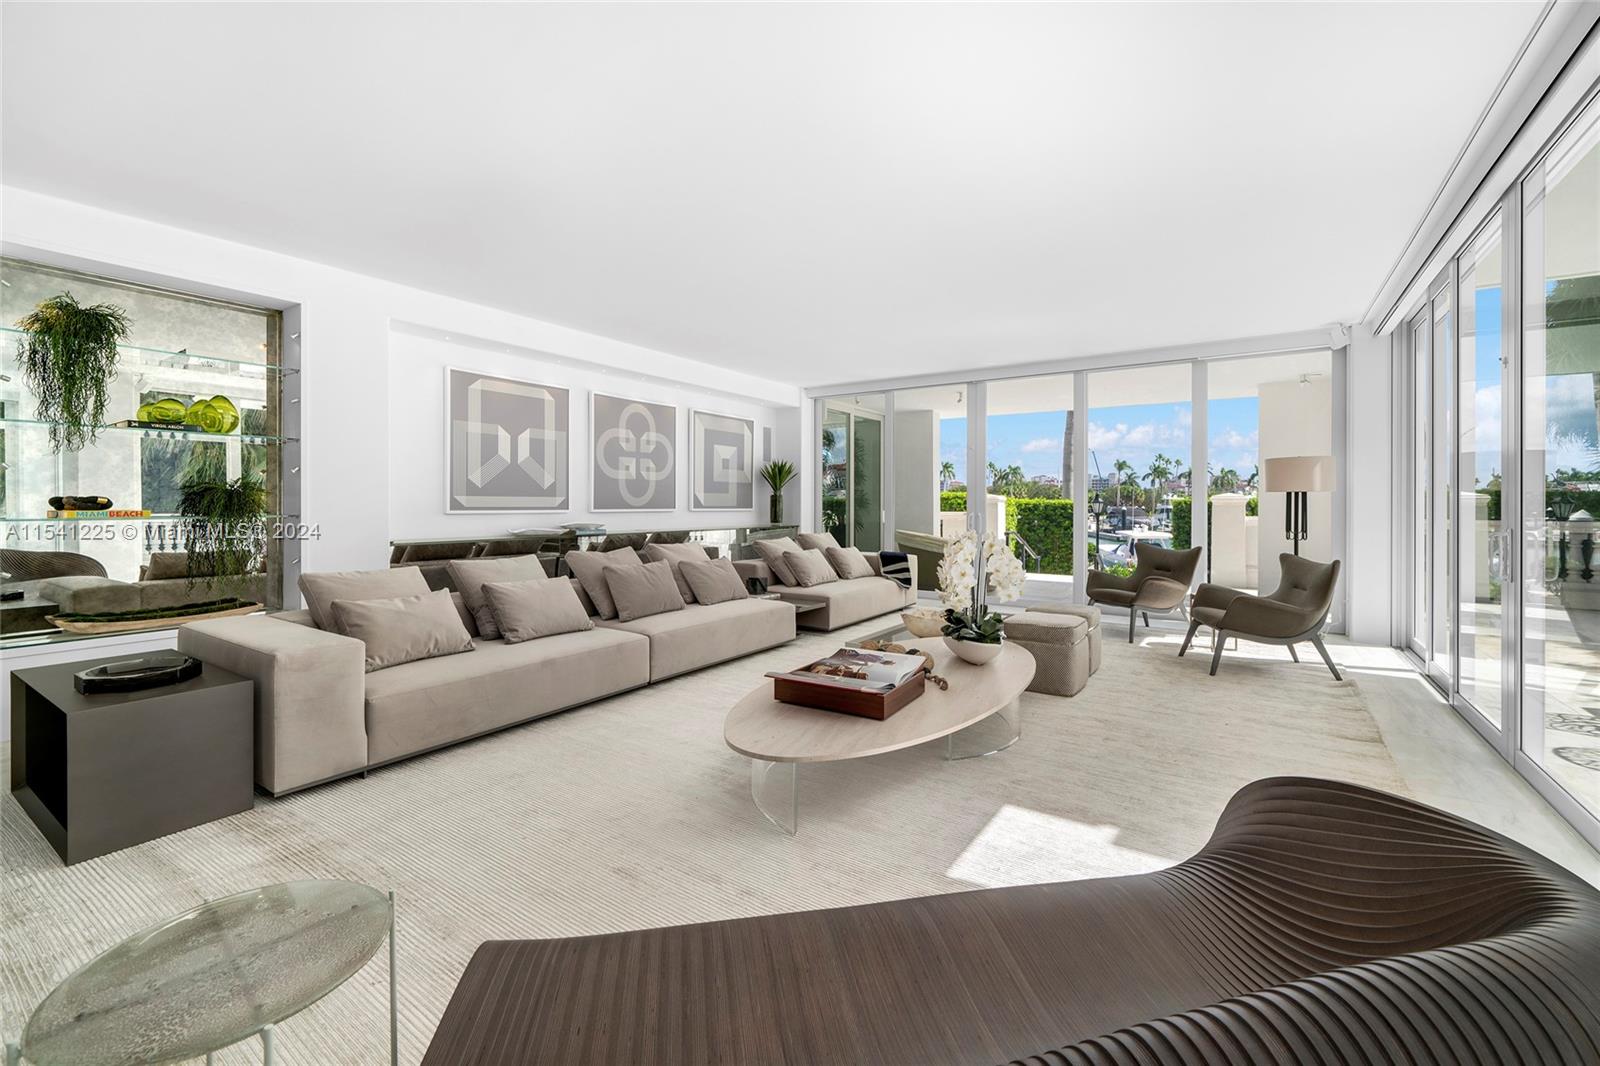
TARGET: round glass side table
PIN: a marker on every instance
(224, 972)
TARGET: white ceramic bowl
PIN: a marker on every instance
(973, 652)
(923, 623)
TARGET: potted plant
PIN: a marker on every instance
(777, 474)
(223, 529)
(971, 572)
(68, 355)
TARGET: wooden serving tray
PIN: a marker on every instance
(141, 624)
(859, 702)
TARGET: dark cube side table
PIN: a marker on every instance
(105, 772)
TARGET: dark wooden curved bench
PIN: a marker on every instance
(1322, 923)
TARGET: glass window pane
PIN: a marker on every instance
(1479, 529)
(1561, 464)
(1140, 424)
(1442, 402)
(1029, 442)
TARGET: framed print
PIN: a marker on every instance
(634, 454)
(505, 444)
(723, 453)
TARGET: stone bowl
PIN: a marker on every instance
(923, 623)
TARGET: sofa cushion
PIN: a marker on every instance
(848, 563)
(642, 591)
(810, 568)
(469, 576)
(772, 551)
(589, 569)
(675, 555)
(700, 635)
(526, 610)
(82, 594)
(820, 541)
(165, 565)
(845, 602)
(432, 553)
(714, 581)
(615, 541)
(320, 590)
(583, 597)
(422, 705)
(403, 629)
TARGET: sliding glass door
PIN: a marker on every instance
(1560, 691)
(1481, 547)
(852, 472)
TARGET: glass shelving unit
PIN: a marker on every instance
(173, 432)
(188, 348)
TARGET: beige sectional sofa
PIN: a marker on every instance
(320, 716)
(840, 603)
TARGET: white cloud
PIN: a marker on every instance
(1042, 444)
(1232, 438)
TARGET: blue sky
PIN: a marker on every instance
(1135, 433)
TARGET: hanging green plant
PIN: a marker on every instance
(68, 357)
(224, 531)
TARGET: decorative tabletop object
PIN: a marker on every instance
(141, 672)
(777, 474)
(971, 572)
(214, 976)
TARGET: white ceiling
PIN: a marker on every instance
(811, 193)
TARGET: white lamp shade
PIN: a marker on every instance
(1299, 473)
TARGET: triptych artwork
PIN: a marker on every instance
(507, 441)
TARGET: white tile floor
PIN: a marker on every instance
(1444, 761)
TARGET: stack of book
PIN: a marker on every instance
(869, 684)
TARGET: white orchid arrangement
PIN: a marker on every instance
(971, 573)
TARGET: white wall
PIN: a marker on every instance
(345, 320)
(416, 454)
(916, 472)
(1369, 503)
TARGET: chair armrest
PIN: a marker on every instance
(1218, 596)
(1160, 592)
(310, 694)
(1104, 579)
(1255, 616)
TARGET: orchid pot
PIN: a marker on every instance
(973, 572)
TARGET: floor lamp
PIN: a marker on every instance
(1295, 476)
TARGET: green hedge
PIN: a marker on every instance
(1045, 524)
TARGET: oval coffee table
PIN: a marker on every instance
(978, 715)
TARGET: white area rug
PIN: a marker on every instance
(633, 813)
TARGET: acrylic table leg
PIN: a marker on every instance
(268, 1057)
(394, 1011)
(14, 1054)
(995, 733)
(776, 792)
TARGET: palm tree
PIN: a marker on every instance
(1227, 480)
(1160, 470)
(1006, 481)
(1121, 471)
(947, 473)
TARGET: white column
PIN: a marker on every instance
(1079, 489)
(1199, 478)
(977, 455)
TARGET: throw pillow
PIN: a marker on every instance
(810, 568)
(526, 610)
(848, 563)
(675, 555)
(320, 590)
(643, 590)
(677, 537)
(466, 616)
(589, 568)
(772, 552)
(469, 576)
(583, 597)
(823, 541)
(896, 566)
(714, 581)
(167, 565)
(404, 629)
